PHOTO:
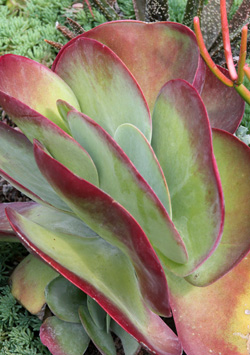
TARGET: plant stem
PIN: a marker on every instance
(243, 92)
(243, 54)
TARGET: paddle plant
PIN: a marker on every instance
(140, 188)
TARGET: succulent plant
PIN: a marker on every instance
(140, 187)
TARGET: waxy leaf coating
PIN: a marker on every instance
(183, 145)
(35, 85)
(113, 223)
(126, 184)
(104, 87)
(233, 160)
(114, 288)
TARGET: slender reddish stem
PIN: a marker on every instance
(243, 54)
(204, 52)
(247, 71)
(226, 41)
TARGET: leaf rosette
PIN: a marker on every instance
(140, 187)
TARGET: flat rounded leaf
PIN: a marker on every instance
(28, 282)
(105, 274)
(102, 340)
(97, 313)
(154, 52)
(35, 85)
(105, 89)
(224, 105)
(62, 338)
(130, 345)
(64, 299)
(233, 160)
(58, 143)
(127, 186)
(214, 319)
(23, 172)
(139, 151)
(183, 145)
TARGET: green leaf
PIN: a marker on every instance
(127, 187)
(64, 299)
(139, 151)
(63, 338)
(130, 345)
(102, 340)
(183, 144)
(35, 85)
(97, 313)
(29, 280)
(233, 159)
(103, 272)
(103, 85)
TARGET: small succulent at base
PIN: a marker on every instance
(140, 187)
(72, 318)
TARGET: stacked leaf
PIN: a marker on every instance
(140, 187)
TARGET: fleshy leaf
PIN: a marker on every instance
(185, 154)
(35, 85)
(103, 272)
(113, 223)
(104, 87)
(64, 299)
(63, 338)
(102, 340)
(126, 183)
(58, 143)
(175, 56)
(139, 151)
(97, 313)
(224, 105)
(130, 345)
(214, 319)
(23, 172)
(233, 159)
(29, 280)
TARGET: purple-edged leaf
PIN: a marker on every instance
(127, 186)
(58, 143)
(105, 273)
(113, 223)
(63, 338)
(233, 159)
(102, 340)
(141, 154)
(200, 75)
(35, 85)
(213, 319)
(183, 144)
(28, 282)
(18, 166)
(64, 299)
(105, 89)
(224, 105)
(154, 52)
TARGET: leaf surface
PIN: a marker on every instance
(63, 338)
(214, 319)
(155, 53)
(105, 89)
(139, 151)
(113, 223)
(127, 186)
(233, 160)
(23, 172)
(28, 282)
(103, 272)
(35, 85)
(224, 105)
(183, 145)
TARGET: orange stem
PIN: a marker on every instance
(247, 71)
(204, 52)
(226, 41)
(243, 54)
